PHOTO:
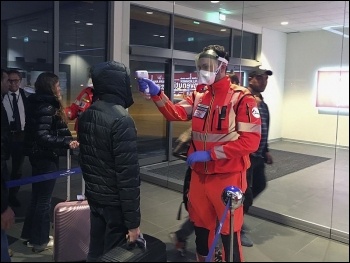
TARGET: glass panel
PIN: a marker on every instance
(193, 35)
(30, 39)
(245, 46)
(310, 175)
(340, 215)
(150, 123)
(149, 27)
(82, 43)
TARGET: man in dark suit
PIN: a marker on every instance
(15, 102)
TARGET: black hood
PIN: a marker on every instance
(111, 82)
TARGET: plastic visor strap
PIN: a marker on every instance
(212, 248)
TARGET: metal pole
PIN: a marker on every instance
(232, 231)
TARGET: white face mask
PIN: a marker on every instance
(207, 77)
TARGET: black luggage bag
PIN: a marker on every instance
(155, 251)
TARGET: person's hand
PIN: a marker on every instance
(73, 144)
(7, 218)
(133, 235)
(199, 156)
(147, 83)
(268, 158)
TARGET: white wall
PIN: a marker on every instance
(306, 53)
(273, 57)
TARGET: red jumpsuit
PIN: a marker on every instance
(81, 103)
(225, 121)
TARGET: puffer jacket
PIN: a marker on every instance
(108, 144)
(5, 153)
(46, 134)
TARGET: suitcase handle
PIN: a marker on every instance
(80, 197)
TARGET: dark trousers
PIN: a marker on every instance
(36, 227)
(256, 181)
(107, 230)
(17, 159)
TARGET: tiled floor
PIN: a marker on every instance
(272, 242)
(159, 206)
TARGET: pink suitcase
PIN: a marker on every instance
(71, 227)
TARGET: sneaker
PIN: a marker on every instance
(41, 248)
(179, 245)
(245, 240)
(218, 255)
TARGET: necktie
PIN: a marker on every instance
(16, 112)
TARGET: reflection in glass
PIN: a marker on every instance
(149, 27)
(193, 35)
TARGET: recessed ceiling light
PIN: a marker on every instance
(223, 29)
(196, 22)
(284, 23)
(34, 29)
(156, 35)
(149, 13)
(82, 45)
(77, 21)
(46, 31)
(214, 2)
(161, 36)
(14, 37)
(89, 24)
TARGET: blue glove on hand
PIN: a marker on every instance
(147, 83)
(199, 156)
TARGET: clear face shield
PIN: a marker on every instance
(208, 64)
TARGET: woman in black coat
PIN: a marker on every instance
(47, 137)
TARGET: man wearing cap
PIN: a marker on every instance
(225, 130)
(256, 178)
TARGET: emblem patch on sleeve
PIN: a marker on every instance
(255, 112)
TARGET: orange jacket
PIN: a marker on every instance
(225, 121)
(81, 103)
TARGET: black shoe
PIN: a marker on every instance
(14, 202)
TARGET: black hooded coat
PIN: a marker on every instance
(108, 144)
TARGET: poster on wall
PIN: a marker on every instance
(184, 83)
(332, 89)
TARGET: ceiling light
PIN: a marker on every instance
(156, 35)
(222, 16)
(149, 13)
(161, 36)
(14, 37)
(46, 31)
(284, 23)
(77, 21)
(214, 2)
(223, 29)
(89, 24)
(34, 29)
(196, 22)
(82, 45)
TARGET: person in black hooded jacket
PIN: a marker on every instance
(109, 160)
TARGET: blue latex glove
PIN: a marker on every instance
(147, 83)
(199, 156)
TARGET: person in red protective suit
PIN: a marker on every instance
(81, 103)
(226, 128)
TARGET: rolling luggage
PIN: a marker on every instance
(155, 251)
(71, 226)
